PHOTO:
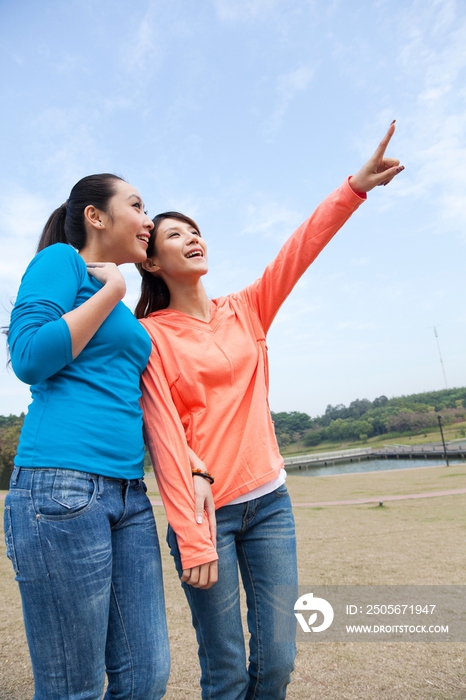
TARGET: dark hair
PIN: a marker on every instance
(66, 224)
(155, 294)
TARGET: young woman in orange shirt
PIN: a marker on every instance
(205, 393)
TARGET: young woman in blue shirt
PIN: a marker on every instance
(79, 527)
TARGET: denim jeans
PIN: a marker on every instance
(87, 560)
(259, 536)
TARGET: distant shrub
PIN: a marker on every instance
(312, 439)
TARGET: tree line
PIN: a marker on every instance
(364, 419)
(360, 420)
(10, 428)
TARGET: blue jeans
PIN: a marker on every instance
(259, 536)
(87, 560)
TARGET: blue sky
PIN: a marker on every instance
(244, 114)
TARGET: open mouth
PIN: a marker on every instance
(144, 239)
(195, 254)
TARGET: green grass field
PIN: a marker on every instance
(404, 542)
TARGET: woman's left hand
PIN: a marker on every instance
(204, 576)
(378, 170)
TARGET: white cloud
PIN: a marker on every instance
(433, 60)
(288, 86)
(145, 51)
(359, 262)
(15, 396)
(244, 10)
(63, 148)
(295, 314)
(12, 55)
(269, 218)
(22, 217)
(430, 112)
(355, 326)
(133, 284)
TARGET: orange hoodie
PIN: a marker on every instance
(206, 384)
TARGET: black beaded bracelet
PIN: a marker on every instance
(205, 475)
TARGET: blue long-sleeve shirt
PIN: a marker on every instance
(85, 413)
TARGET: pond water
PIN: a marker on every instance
(371, 465)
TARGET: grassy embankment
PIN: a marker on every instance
(451, 432)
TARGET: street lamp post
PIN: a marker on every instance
(443, 439)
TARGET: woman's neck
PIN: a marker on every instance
(191, 299)
(94, 253)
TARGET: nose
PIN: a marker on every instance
(148, 223)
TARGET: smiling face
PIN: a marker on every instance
(179, 251)
(122, 233)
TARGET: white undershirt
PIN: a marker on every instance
(261, 490)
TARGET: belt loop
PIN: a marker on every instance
(100, 485)
(15, 475)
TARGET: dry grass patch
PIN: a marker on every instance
(403, 542)
(396, 482)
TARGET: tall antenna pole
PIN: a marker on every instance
(440, 356)
(439, 418)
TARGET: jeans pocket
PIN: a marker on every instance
(70, 495)
(9, 541)
(281, 491)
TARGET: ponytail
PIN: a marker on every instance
(54, 229)
(66, 224)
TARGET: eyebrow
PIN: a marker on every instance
(175, 228)
(136, 196)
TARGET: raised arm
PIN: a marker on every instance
(267, 294)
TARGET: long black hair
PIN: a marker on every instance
(66, 224)
(155, 294)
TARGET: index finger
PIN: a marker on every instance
(381, 148)
(210, 509)
(208, 575)
(213, 573)
(213, 526)
(188, 573)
